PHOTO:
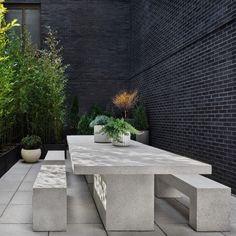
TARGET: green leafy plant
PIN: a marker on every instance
(32, 87)
(117, 127)
(31, 142)
(99, 120)
(140, 118)
(83, 125)
(96, 110)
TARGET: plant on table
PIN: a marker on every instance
(98, 123)
(31, 148)
(119, 131)
(125, 101)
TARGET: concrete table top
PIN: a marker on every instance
(88, 157)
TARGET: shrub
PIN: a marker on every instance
(117, 127)
(99, 120)
(33, 86)
(83, 125)
(140, 118)
(31, 142)
(125, 101)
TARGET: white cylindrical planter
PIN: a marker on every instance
(100, 137)
(31, 156)
(124, 140)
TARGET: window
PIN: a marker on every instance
(28, 16)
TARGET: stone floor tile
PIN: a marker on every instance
(157, 232)
(22, 198)
(170, 212)
(82, 230)
(232, 231)
(13, 177)
(5, 197)
(26, 186)
(17, 214)
(19, 230)
(8, 186)
(75, 197)
(82, 214)
(184, 230)
(2, 208)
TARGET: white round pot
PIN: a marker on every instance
(100, 137)
(31, 156)
(124, 140)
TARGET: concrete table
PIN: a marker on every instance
(124, 179)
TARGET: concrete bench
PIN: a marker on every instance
(50, 199)
(209, 208)
(55, 158)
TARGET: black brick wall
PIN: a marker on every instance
(95, 37)
(183, 60)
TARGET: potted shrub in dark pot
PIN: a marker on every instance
(119, 131)
(141, 124)
(31, 148)
(98, 123)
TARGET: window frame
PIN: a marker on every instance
(23, 7)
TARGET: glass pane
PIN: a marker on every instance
(15, 14)
(32, 23)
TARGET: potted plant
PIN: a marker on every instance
(141, 124)
(31, 148)
(119, 131)
(125, 101)
(98, 123)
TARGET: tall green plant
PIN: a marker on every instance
(74, 114)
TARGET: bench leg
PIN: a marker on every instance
(210, 210)
(163, 190)
(49, 209)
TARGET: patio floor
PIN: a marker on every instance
(83, 219)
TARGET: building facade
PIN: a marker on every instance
(179, 54)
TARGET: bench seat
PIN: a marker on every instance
(209, 200)
(55, 158)
(50, 199)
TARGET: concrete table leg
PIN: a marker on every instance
(125, 202)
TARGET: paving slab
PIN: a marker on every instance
(5, 197)
(2, 208)
(19, 230)
(232, 231)
(22, 198)
(13, 177)
(82, 214)
(8, 186)
(82, 230)
(170, 212)
(75, 197)
(26, 186)
(17, 214)
(156, 232)
(184, 230)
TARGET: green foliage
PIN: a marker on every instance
(83, 125)
(117, 127)
(31, 142)
(99, 120)
(74, 113)
(140, 118)
(32, 87)
(95, 111)
(4, 27)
